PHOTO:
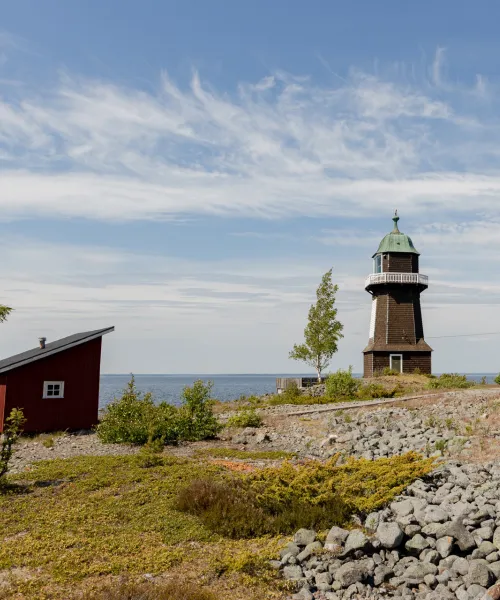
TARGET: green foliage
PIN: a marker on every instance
(246, 417)
(145, 590)
(12, 429)
(391, 372)
(322, 331)
(484, 380)
(245, 454)
(450, 380)
(441, 445)
(372, 391)
(4, 312)
(196, 418)
(136, 419)
(281, 499)
(341, 385)
(497, 379)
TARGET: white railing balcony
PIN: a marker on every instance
(412, 278)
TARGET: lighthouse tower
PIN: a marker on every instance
(396, 338)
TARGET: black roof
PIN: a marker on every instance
(19, 360)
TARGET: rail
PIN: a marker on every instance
(413, 278)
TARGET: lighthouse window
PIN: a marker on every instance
(378, 263)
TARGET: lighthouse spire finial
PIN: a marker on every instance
(395, 218)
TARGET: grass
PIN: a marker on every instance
(94, 517)
(72, 525)
(132, 590)
(246, 454)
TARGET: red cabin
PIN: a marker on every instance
(56, 385)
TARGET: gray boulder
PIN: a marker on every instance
(304, 537)
(293, 572)
(496, 538)
(356, 540)
(390, 535)
(457, 530)
(479, 573)
(350, 573)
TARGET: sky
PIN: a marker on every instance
(187, 170)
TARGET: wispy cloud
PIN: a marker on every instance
(283, 146)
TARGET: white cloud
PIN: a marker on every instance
(281, 147)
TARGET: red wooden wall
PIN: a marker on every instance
(78, 367)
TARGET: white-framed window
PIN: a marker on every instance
(378, 266)
(396, 362)
(53, 389)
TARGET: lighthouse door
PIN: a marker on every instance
(397, 362)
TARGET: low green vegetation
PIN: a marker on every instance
(450, 380)
(245, 454)
(73, 523)
(144, 590)
(245, 417)
(497, 379)
(12, 430)
(341, 385)
(281, 499)
(136, 419)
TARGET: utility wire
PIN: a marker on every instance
(436, 337)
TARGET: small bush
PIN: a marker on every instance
(391, 372)
(196, 418)
(12, 430)
(497, 379)
(342, 385)
(136, 419)
(372, 391)
(282, 499)
(129, 590)
(450, 380)
(247, 417)
(417, 371)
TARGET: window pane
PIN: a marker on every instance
(397, 363)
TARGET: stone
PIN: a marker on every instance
(434, 514)
(323, 581)
(416, 544)
(495, 568)
(444, 546)
(416, 572)
(461, 566)
(496, 538)
(479, 573)
(304, 594)
(476, 592)
(372, 522)
(290, 548)
(309, 550)
(335, 538)
(356, 540)
(493, 593)
(292, 572)
(304, 537)
(457, 530)
(403, 508)
(390, 535)
(350, 573)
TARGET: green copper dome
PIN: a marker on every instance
(396, 241)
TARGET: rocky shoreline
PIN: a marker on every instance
(439, 540)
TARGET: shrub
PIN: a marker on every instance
(281, 499)
(246, 417)
(13, 428)
(196, 418)
(341, 384)
(450, 380)
(497, 379)
(372, 391)
(391, 372)
(136, 419)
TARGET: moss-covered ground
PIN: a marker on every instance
(68, 526)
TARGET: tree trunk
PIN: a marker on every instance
(318, 371)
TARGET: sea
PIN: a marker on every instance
(225, 387)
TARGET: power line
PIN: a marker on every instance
(436, 337)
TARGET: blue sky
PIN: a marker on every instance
(187, 171)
